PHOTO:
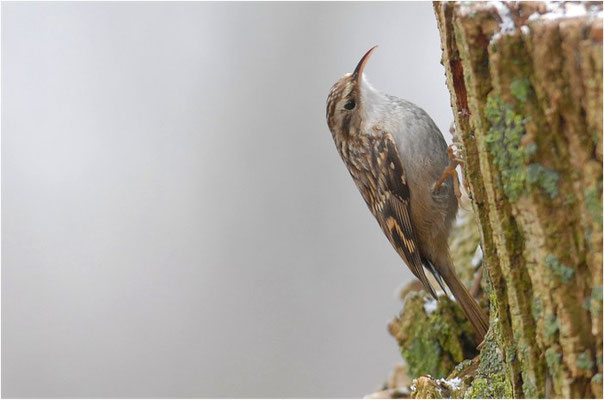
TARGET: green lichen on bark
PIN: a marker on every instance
(584, 361)
(529, 106)
(561, 271)
(596, 300)
(550, 326)
(537, 308)
(593, 202)
(495, 387)
(490, 380)
(504, 142)
(432, 341)
(544, 178)
(552, 359)
(521, 88)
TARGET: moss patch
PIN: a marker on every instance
(433, 342)
(490, 379)
(494, 387)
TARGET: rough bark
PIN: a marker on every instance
(527, 100)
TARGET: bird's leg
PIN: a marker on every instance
(454, 160)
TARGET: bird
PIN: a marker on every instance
(403, 168)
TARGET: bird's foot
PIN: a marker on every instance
(455, 159)
(454, 153)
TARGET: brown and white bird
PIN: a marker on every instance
(396, 156)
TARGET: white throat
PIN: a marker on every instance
(374, 103)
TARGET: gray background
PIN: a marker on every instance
(176, 220)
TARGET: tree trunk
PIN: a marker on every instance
(526, 92)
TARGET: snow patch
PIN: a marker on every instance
(507, 22)
(451, 384)
(430, 305)
(506, 25)
(562, 9)
(554, 10)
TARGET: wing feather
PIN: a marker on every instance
(393, 213)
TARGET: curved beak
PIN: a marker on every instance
(358, 71)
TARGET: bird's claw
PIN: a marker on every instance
(455, 155)
(455, 159)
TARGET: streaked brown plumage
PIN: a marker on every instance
(396, 155)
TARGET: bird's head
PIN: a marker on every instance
(350, 100)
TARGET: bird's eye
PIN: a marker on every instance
(350, 105)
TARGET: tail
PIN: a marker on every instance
(474, 313)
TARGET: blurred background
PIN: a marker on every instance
(176, 221)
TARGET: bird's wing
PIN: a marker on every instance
(392, 210)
